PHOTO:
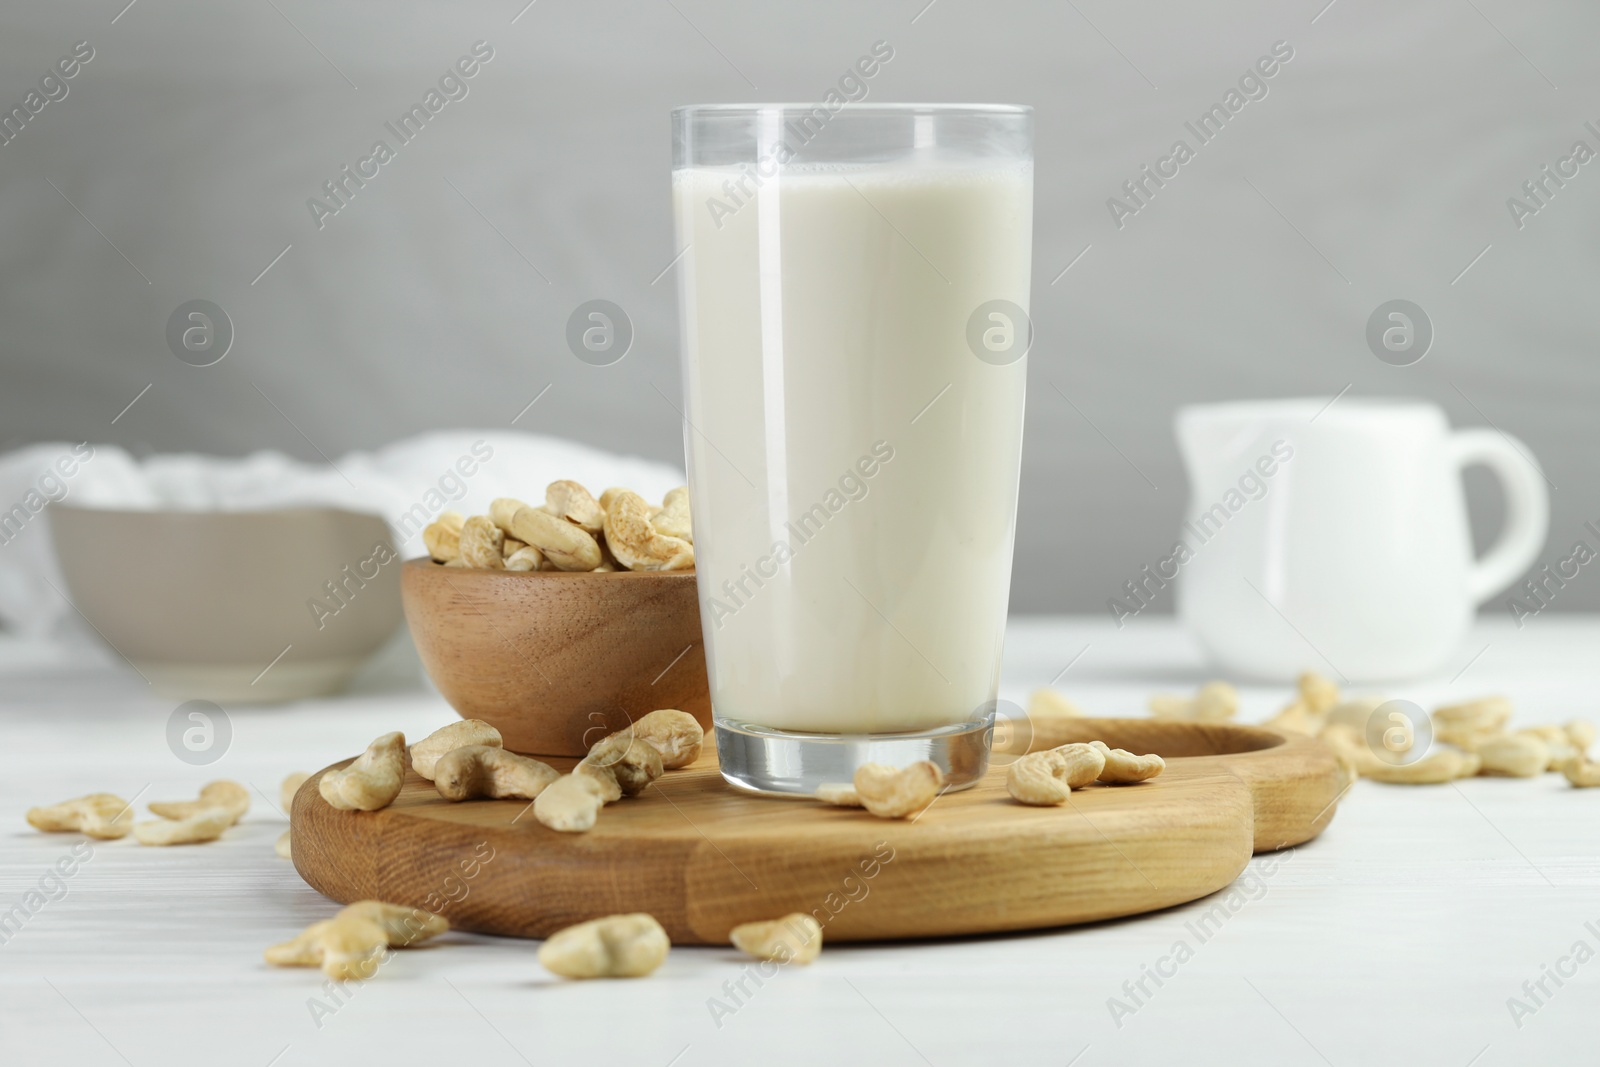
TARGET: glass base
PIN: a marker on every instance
(760, 759)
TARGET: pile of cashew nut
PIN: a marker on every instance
(570, 531)
(1471, 738)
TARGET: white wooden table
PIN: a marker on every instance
(1397, 937)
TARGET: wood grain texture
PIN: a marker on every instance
(1295, 780)
(703, 858)
(556, 660)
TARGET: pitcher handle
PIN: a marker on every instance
(1527, 519)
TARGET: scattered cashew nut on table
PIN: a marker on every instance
(1215, 701)
(617, 946)
(352, 943)
(202, 826)
(1522, 755)
(100, 815)
(289, 787)
(227, 796)
(795, 938)
(191, 822)
(1581, 772)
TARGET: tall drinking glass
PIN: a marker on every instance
(853, 296)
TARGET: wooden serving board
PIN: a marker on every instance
(703, 858)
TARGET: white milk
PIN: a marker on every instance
(854, 564)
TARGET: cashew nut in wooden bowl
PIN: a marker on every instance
(557, 660)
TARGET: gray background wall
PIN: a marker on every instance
(1377, 167)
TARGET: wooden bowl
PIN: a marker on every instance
(557, 660)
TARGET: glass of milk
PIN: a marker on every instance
(853, 292)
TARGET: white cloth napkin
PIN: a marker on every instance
(393, 481)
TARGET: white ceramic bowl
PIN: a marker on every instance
(257, 606)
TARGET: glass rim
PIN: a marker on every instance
(882, 108)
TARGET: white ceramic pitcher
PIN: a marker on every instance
(1335, 538)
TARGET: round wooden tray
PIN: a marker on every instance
(703, 858)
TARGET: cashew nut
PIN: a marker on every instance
(426, 753)
(501, 509)
(1319, 693)
(635, 541)
(443, 536)
(577, 505)
(632, 761)
(1048, 777)
(571, 803)
(1315, 696)
(1564, 742)
(526, 558)
(1581, 734)
(482, 544)
(1458, 722)
(1514, 755)
(1354, 712)
(568, 547)
(604, 779)
(100, 815)
(1124, 768)
(372, 781)
(230, 797)
(674, 734)
(1049, 704)
(618, 946)
(352, 943)
(1555, 740)
(1052, 718)
(1581, 773)
(842, 794)
(1443, 764)
(1298, 719)
(202, 826)
(282, 847)
(289, 787)
(795, 938)
(402, 926)
(1216, 701)
(892, 793)
(673, 518)
(482, 771)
